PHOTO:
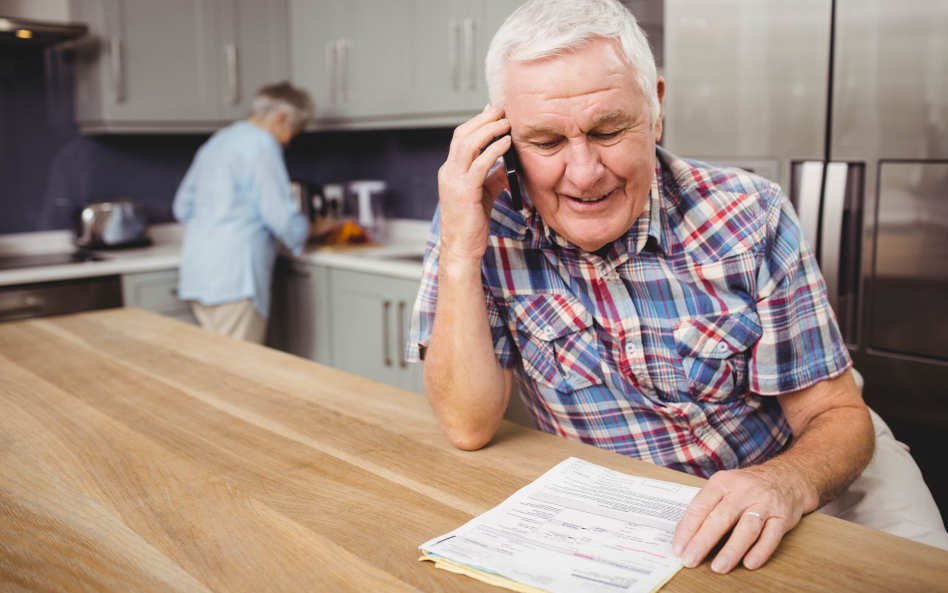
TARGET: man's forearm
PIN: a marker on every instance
(827, 456)
(467, 387)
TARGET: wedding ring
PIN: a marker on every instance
(758, 515)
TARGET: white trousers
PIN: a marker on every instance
(891, 494)
(237, 320)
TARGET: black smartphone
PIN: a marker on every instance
(512, 165)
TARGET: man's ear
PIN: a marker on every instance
(660, 91)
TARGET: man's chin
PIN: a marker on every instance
(591, 241)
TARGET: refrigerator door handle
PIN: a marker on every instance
(807, 192)
(834, 204)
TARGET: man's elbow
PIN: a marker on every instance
(467, 439)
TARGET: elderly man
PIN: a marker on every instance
(235, 200)
(661, 308)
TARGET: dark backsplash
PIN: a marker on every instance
(48, 169)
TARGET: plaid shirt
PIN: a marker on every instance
(667, 348)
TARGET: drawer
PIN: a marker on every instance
(159, 297)
(153, 291)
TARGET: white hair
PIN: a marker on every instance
(294, 101)
(546, 28)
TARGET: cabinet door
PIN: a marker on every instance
(375, 59)
(316, 28)
(435, 71)
(299, 311)
(253, 51)
(156, 291)
(490, 15)
(156, 61)
(370, 316)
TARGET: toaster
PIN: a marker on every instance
(112, 224)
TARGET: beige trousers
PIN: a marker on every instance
(237, 320)
(891, 494)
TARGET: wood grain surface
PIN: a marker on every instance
(140, 453)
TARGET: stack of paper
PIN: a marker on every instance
(579, 528)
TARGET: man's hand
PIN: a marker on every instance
(465, 191)
(833, 441)
(757, 502)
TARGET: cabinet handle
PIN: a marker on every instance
(331, 64)
(118, 78)
(386, 354)
(344, 69)
(454, 50)
(469, 52)
(230, 52)
(401, 335)
(29, 305)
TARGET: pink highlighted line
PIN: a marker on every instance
(643, 551)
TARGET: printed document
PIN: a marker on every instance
(579, 528)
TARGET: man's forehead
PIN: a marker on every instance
(601, 118)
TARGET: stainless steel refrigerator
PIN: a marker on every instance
(844, 103)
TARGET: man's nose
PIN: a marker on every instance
(584, 168)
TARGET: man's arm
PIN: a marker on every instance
(833, 443)
(467, 386)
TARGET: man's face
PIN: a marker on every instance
(586, 140)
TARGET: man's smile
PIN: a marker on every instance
(586, 201)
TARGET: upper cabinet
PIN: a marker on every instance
(194, 65)
(175, 64)
(350, 55)
(377, 63)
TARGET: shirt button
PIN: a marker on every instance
(630, 348)
(548, 330)
(722, 346)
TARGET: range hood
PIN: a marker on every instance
(16, 30)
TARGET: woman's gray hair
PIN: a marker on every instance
(546, 28)
(285, 97)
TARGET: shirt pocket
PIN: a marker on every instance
(556, 336)
(715, 351)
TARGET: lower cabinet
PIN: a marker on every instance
(299, 311)
(156, 291)
(354, 321)
(371, 314)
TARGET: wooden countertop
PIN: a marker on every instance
(139, 453)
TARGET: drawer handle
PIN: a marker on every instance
(29, 304)
(387, 355)
(401, 335)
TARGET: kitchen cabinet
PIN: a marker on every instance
(350, 55)
(299, 311)
(374, 63)
(156, 291)
(449, 46)
(370, 320)
(177, 64)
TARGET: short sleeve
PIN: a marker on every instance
(801, 343)
(423, 313)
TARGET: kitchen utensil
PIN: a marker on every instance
(369, 202)
(333, 195)
(307, 199)
(112, 224)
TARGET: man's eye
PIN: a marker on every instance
(606, 135)
(547, 145)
